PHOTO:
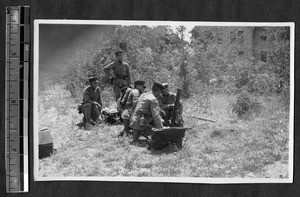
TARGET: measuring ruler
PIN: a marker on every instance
(16, 98)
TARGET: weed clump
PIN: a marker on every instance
(216, 133)
(244, 106)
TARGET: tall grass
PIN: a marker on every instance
(232, 147)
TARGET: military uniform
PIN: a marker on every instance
(130, 104)
(122, 99)
(166, 104)
(147, 109)
(122, 77)
(91, 111)
(130, 99)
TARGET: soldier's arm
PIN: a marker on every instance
(155, 114)
(135, 97)
(161, 103)
(135, 101)
(99, 99)
(126, 95)
(108, 67)
(86, 97)
(128, 74)
(171, 100)
(173, 95)
(119, 105)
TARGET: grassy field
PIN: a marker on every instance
(256, 147)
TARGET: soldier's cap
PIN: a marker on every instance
(140, 82)
(157, 85)
(166, 85)
(118, 52)
(91, 79)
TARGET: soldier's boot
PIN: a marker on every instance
(87, 115)
(136, 135)
(88, 126)
(93, 122)
(81, 124)
(126, 127)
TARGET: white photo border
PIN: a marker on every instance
(162, 179)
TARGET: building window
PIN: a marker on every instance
(241, 36)
(263, 37)
(232, 37)
(263, 56)
(241, 53)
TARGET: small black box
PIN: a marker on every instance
(163, 137)
(45, 143)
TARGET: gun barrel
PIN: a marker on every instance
(204, 119)
(176, 105)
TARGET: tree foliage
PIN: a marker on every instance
(216, 58)
(209, 62)
(152, 53)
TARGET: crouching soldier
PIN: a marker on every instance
(147, 110)
(166, 104)
(130, 103)
(92, 104)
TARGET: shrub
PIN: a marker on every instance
(244, 106)
(242, 80)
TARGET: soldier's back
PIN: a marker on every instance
(144, 102)
(148, 96)
(132, 97)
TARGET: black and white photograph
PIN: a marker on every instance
(163, 101)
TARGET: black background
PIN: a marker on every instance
(179, 10)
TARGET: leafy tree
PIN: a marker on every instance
(183, 66)
(152, 53)
(146, 49)
(215, 58)
(208, 63)
(279, 54)
(209, 55)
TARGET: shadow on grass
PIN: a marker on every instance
(165, 149)
(169, 149)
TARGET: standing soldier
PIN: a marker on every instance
(147, 109)
(130, 102)
(166, 104)
(92, 104)
(121, 74)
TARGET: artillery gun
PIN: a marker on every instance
(172, 133)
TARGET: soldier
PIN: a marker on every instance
(92, 104)
(166, 104)
(130, 102)
(121, 75)
(147, 109)
(120, 103)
